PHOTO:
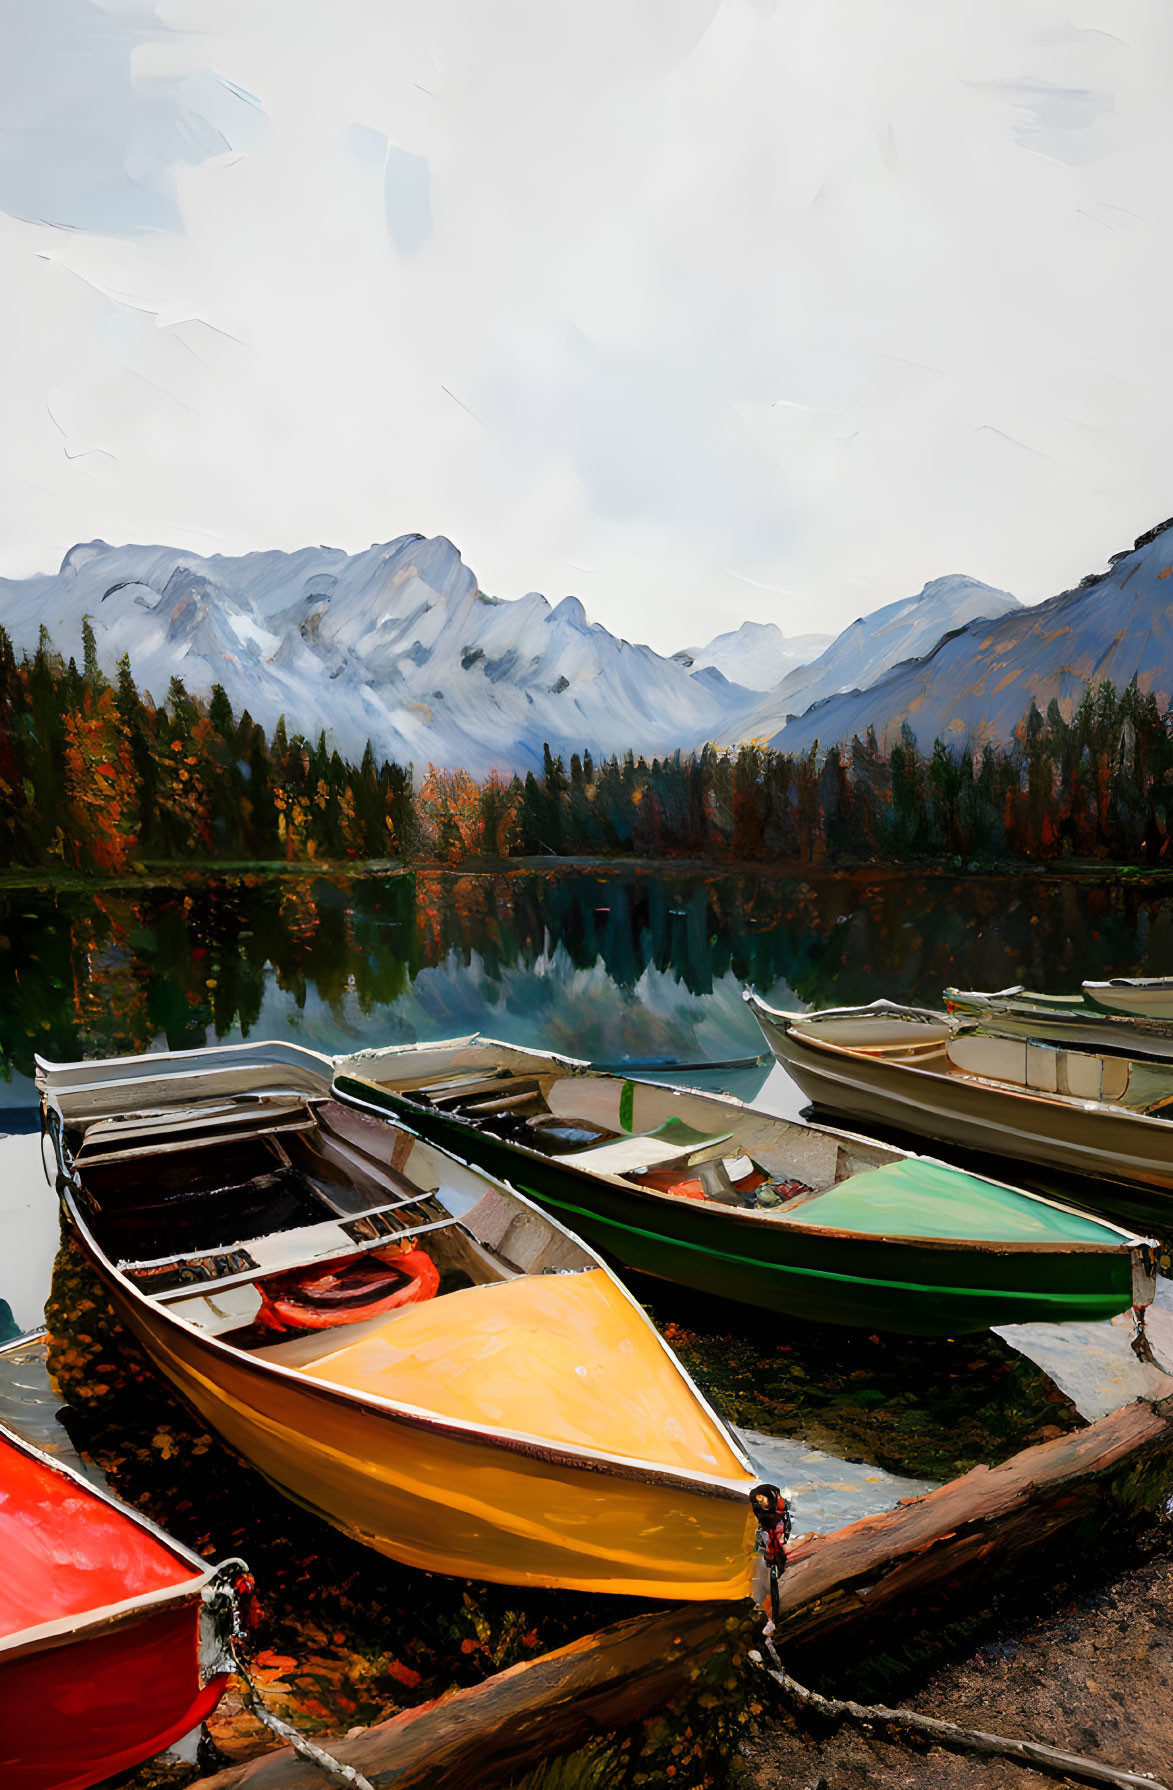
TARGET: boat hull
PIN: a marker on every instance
(1141, 998)
(443, 1498)
(1078, 1137)
(76, 1711)
(926, 1287)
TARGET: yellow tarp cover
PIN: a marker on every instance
(559, 1356)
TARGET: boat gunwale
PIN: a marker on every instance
(87, 1624)
(583, 1457)
(1093, 1030)
(1059, 1006)
(782, 1225)
(1141, 982)
(103, 1619)
(287, 1055)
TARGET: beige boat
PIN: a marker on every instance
(1074, 1020)
(936, 1075)
(1145, 997)
(398, 1341)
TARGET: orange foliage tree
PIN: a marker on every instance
(99, 786)
(449, 808)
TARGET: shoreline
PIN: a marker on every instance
(159, 873)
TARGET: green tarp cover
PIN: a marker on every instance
(928, 1199)
(686, 1137)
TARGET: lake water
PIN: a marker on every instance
(603, 963)
(617, 965)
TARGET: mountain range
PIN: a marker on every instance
(872, 645)
(398, 644)
(977, 683)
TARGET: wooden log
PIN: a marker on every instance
(909, 1561)
(490, 1733)
(980, 1526)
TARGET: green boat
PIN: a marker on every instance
(702, 1190)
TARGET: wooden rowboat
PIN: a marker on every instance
(1073, 1020)
(1104, 1116)
(398, 1342)
(709, 1193)
(1147, 997)
(113, 1637)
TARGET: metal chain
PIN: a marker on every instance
(334, 1768)
(1142, 1348)
(947, 1734)
(222, 1632)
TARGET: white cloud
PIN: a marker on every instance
(714, 298)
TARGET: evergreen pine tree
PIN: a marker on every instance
(220, 713)
(92, 671)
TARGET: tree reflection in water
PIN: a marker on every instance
(601, 962)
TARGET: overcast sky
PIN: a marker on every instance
(698, 309)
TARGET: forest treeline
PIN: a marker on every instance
(96, 776)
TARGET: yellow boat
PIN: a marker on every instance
(395, 1339)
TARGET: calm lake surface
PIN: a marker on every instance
(603, 963)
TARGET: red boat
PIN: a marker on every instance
(114, 1639)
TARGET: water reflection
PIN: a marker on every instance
(600, 962)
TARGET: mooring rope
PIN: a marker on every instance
(948, 1734)
(316, 1755)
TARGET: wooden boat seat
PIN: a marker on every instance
(899, 1053)
(176, 1277)
(123, 1136)
(1042, 1067)
(469, 1094)
(673, 1142)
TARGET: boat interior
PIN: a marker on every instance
(676, 1143)
(951, 1046)
(243, 1191)
(671, 1141)
(313, 1237)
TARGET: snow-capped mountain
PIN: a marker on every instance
(758, 655)
(396, 644)
(871, 646)
(977, 684)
